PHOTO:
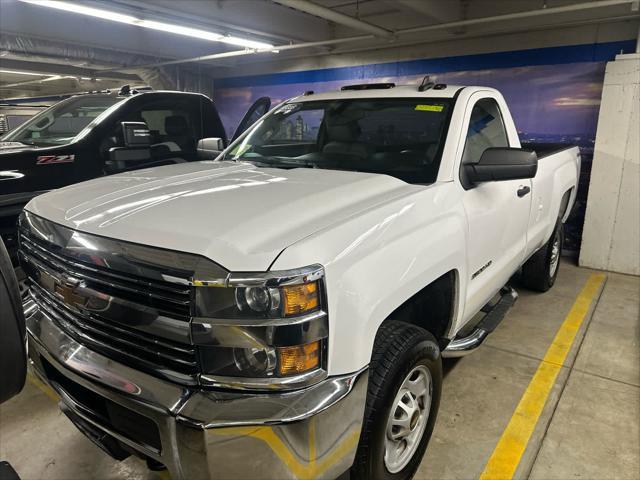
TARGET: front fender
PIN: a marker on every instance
(377, 260)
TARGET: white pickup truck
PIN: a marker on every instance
(283, 311)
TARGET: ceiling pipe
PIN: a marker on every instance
(39, 81)
(48, 66)
(238, 53)
(170, 14)
(336, 17)
(462, 23)
(467, 36)
(577, 7)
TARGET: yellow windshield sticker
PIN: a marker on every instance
(241, 149)
(430, 108)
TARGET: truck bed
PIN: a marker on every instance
(544, 150)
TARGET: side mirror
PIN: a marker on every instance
(136, 135)
(209, 148)
(502, 164)
(136, 150)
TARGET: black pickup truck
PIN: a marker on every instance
(90, 135)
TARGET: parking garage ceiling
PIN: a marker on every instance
(45, 50)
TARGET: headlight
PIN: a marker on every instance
(265, 295)
(258, 299)
(268, 327)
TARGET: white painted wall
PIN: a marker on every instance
(611, 237)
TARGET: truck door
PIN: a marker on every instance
(497, 211)
(257, 110)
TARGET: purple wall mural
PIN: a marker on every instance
(557, 101)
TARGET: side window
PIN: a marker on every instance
(175, 126)
(486, 130)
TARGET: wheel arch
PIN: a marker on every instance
(565, 205)
(434, 307)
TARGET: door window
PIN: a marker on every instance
(255, 112)
(486, 130)
(175, 126)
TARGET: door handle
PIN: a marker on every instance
(523, 190)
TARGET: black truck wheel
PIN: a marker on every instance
(541, 270)
(405, 383)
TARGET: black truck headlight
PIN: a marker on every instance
(262, 329)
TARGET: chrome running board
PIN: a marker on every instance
(459, 347)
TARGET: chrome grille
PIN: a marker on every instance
(114, 297)
(165, 298)
(150, 352)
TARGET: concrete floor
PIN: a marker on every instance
(589, 427)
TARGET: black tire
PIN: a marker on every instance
(399, 348)
(13, 354)
(537, 273)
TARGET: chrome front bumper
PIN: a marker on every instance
(309, 433)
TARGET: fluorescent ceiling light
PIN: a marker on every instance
(77, 8)
(16, 72)
(189, 32)
(151, 24)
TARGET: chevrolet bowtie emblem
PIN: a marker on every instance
(65, 289)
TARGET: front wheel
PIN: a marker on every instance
(405, 383)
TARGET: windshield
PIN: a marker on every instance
(61, 123)
(401, 137)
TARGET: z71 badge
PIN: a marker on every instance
(49, 159)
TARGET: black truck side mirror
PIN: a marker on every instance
(136, 149)
(501, 163)
(136, 134)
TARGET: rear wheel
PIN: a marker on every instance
(541, 270)
(405, 382)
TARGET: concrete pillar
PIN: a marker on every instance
(611, 236)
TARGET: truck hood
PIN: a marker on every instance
(236, 214)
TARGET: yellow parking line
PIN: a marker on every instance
(164, 475)
(505, 458)
(302, 470)
(44, 388)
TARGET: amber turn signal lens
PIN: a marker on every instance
(300, 298)
(298, 359)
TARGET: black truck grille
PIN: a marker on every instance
(103, 329)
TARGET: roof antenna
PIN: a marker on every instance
(426, 84)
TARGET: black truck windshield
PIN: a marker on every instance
(61, 123)
(401, 137)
